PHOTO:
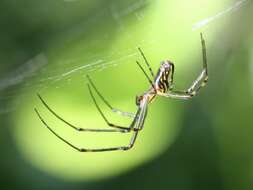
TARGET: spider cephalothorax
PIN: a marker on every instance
(138, 100)
(161, 85)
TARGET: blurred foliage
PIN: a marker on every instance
(204, 143)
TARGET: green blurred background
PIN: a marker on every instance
(48, 47)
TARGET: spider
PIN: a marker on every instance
(160, 86)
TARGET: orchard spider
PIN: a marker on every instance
(160, 86)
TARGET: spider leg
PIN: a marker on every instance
(175, 94)
(203, 76)
(140, 123)
(115, 110)
(142, 116)
(138, 120)
(197, 84)
(149, 80)
(118, 128)
(146, 61)
(103, 115)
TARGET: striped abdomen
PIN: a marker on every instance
(164, 76)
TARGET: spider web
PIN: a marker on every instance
(23, 75)
(229, 9)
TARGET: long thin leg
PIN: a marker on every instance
(197, 84)
(203, 77)
(149, 80)
(119, 128)
(115, 110)
(146, 61)
(103, 115)
(176, 95)
(140, 123)
(142, 115)
(130, 145)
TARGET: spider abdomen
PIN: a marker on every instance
(164, 76)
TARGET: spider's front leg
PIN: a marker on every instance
(196, 85)
(113, 109)
(137, 122)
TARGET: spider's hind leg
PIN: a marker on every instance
(203, 76)
(197, 84)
